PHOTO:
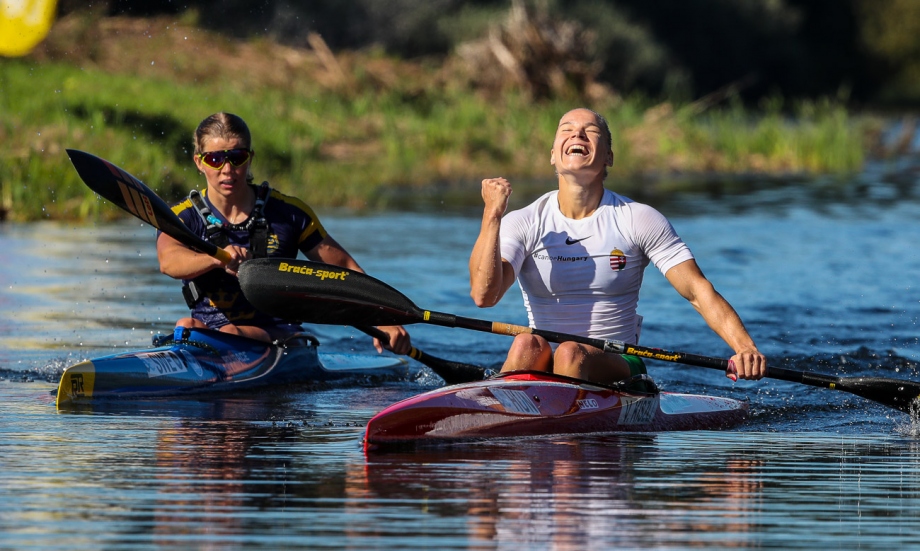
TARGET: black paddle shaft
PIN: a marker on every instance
(616, 347)
(319, 293)
(893, 393)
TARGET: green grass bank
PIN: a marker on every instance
(351, 129)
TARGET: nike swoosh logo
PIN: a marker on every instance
(570, 241)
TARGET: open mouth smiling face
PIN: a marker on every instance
(577, 150)
(578, 143)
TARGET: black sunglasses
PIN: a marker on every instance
(217, 159)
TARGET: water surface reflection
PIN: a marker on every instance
(654, 490)
(821, 273)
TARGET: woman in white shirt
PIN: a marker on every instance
(579, 253)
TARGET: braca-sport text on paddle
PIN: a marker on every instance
(314, 292)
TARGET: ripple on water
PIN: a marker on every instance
(820, 289)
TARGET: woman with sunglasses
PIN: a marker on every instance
(247, 221)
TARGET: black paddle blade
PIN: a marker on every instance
(893, 393)
(313, 292)
(130, 194)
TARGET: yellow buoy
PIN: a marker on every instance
(23, 24)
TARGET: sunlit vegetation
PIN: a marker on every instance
(349, 128)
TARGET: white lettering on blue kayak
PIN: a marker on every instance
(162, 363)
(237, 362)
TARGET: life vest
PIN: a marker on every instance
(216, 230)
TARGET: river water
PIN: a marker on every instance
(823, 273)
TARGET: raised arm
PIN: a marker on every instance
(490, 276)
(689, 281)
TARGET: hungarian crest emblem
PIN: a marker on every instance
(617, 260)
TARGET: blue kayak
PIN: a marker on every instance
(203, 360)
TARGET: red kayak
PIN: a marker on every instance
(529, 403)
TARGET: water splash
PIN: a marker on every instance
(912, 428)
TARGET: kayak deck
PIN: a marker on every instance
(203, 360)
(524, 404)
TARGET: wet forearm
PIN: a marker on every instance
(186, 264)
(724, 321)
(486, 284)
